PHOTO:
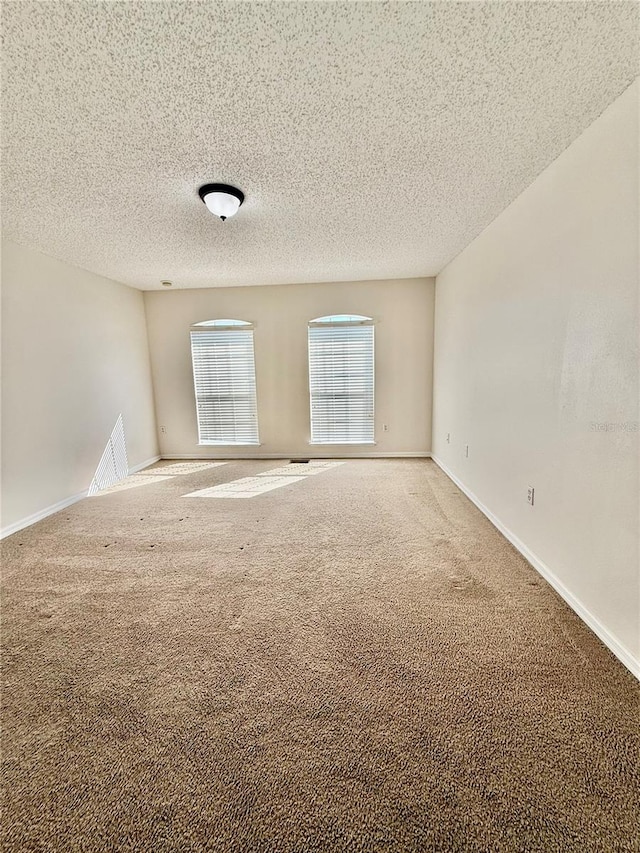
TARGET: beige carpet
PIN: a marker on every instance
(356, 662)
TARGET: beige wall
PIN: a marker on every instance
(536, 347)
(74, 356)
(403, 351)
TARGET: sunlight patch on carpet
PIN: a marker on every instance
(129, 483)
(182, 468)
(113, 465)
(304, 469)
(247, 487)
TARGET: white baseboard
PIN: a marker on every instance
(238, 456)
(145, 464)
(63, 504)
(621, 652)
(43, 513)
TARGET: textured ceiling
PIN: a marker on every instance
(372, 140)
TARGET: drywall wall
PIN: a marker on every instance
(536, 370)
(74, 357)
(403, 311)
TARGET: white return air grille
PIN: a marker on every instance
(113, 466)
(225, 385)
(341, 382)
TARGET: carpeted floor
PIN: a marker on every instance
(355, 662)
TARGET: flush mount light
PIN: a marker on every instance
(221, 199)
(166, 283)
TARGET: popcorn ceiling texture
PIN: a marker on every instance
(372, 140)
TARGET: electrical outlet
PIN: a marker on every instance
(530, 495)
(385, 428)
(163, 429)
(466, 450)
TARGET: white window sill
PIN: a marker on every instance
(342, 443)
(229, 444)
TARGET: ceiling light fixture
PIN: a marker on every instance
(221, 199)
(166, 283)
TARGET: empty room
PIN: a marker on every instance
(320, 427)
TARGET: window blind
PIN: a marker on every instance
(225, 385)
(341, 383)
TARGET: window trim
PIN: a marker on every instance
(328, 321)
(209, 327)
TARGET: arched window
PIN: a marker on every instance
(224, 377)
(341, 379)
(223, 324)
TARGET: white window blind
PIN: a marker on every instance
(225, 382)
(341, 380)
